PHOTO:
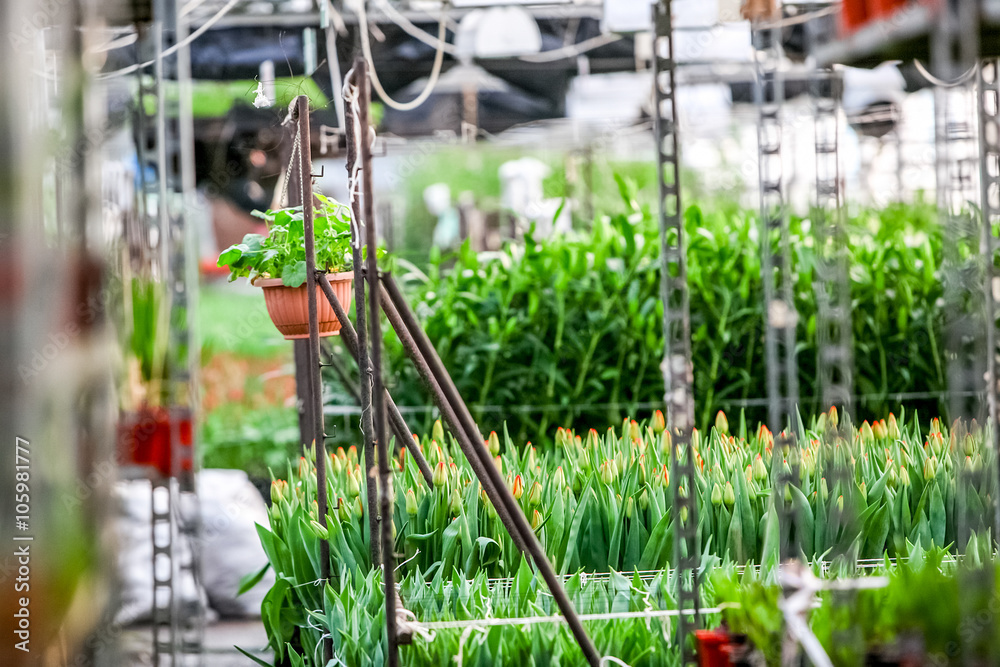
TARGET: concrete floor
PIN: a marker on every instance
(220, 639)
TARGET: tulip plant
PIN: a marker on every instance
(602, 503)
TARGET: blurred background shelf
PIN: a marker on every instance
(905, 35)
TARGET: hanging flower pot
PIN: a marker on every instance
(289, 306)
(277, 264)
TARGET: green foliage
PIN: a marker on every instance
(605, 502)
(146, 338)
(282, 252)
(603, 505)
(924, 596)
(254, 440)
(569, 330)
(353, 613)
(236, 322)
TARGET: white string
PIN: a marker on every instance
(176, 47)
(351, 94)
(941, 83)
(411, 29)
(535, 620)
(407, 561)
(435, 70)
(795, 20)
(611, 658)
(572, 50)
(323, 635)
(461, 643)
(407, 620)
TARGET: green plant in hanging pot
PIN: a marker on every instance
(277, 263)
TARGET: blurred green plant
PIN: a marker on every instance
(569, 330)
(255, 440)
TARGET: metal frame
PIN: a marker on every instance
(383, 288)
(177, 634)
(677, 367)
(989, 174)
(834, 348)
(781, 317)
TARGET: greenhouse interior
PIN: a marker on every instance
(350, 333)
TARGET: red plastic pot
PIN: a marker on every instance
(145, 437)
(289, 306)
(853, 15)
(884, 9)
(713, 648)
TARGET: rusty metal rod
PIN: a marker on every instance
(330, 360)
(315, 387)
(467, 445)
(384, 471)
(399, 426)
(364, 363)
(409, 322)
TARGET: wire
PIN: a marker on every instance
(176, 47)
(572, 50)
(528, 408)
(568, 51)
(533, 620)
(414, 31)
(435, 70)
(941, 82)
(191, 6)
(795, 20)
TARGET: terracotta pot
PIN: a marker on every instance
(289, 306)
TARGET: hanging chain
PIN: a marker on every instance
(779, 305)
(677, 367)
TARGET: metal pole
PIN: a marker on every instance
(330, 360)
(300, 347)
(301, 111)
(396, 421)
(503, 493)
(372, 276)
(364, 362)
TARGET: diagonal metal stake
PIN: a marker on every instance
(427, 361)
(362, 357)
(396, 421)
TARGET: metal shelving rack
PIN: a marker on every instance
(177, 632)
(779, 304)
(834, 362)
(989, 144)
(954, 37)
(678, 375)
